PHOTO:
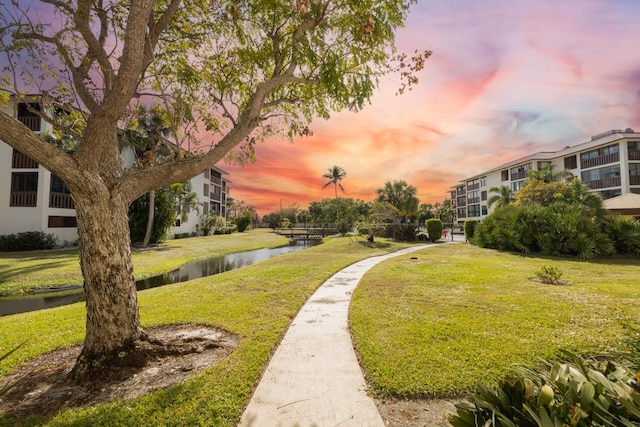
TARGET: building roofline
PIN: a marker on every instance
(595, 141)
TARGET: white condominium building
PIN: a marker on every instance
(609, 163)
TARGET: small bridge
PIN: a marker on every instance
(306, 233)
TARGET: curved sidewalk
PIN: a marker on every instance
(314, 378)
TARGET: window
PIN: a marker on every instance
(484, 209)
(633, 146)
(473, 210)
(610, 149)
(63, 222)
(28, 117)
(483, 196)
(59, 194)
(601, 173)
(517, 185)
(634, 169)
(206, 190)
(504, 175)
(24, 189)
(483, 181)
(22, 161)
(607, 194)
(571, 162)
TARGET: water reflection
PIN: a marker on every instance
(194, 270)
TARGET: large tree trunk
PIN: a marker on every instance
(113, 323)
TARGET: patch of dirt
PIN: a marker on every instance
(45, 390)
(397, 412)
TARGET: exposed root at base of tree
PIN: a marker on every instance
(172, 355)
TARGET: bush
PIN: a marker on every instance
(434, 229)
(344, 226)
(625, 234)
(558, 229)
(243, 222)
(583, 393)
(27, 241)
(549, 275)
(470, 229)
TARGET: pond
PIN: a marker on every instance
(55, 297)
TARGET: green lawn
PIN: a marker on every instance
(257, 303)
(459, 315)
(22, 272)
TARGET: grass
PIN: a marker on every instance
(459, 315)
(257, 303)
(22, 272)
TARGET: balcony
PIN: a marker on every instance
(22, 161)
(473, 200)
(518, 175)
(600, 160)
(634, 154)
(215, 196)
(32, 122)
(462, 215)
(614, 181)
(634, 180)
(473, 187)
(461, 202)
(216, 180)
(61, 200)
(24, 199)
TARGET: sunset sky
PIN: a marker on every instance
(507, 78)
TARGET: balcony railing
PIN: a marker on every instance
(518, 175)
(614, 181)
(32, 122)
(214, 196)
(634, 154)
(600, 160)
(216, 180)
(634, 180)
(61, 200)
(22, 161)
(473, 187)
(473, 200)
(462, 215)
(24, 199)
(462, 202)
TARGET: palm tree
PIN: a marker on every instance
(400, 195)
(503, 198)
(547, 175)
(335, 175)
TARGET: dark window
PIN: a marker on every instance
(22, 161)
(206, 190)
(504, 175)
(62, 222)
(571, 162)
(60, 195)
(28, 117)
(483, 195)
(484, 210)
(24, 189)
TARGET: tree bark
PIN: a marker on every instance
(113, 324)
(150, 216)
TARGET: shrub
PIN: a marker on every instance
(549, 275)
(624, 233)
(27, 241)
(243, 222)
(434, 229)
(583, 393)
(344, 226)
(470, 229)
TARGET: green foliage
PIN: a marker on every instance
(272, 220)
(243, 222)
(470, 226)
(434, 228)
(344, 226)
(334, 176)
(583, 393)
(400, 195)
(503, 197)
(27, 241)
(624, 233)
(330, 210)
(404, 232)
(541, 192)
(165, 208)
(560, 228)
(210, 223)
(549, 275)
(286, 223)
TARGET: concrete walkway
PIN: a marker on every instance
(314, 378)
